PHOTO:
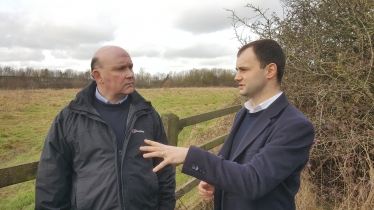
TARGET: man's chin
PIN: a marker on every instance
(242, 93)
(129, 91)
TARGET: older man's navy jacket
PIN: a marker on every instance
(264, 172)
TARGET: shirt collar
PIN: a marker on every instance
(263, 105)
(101, 98)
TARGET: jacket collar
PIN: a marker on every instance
(262, 122)
(84, 98)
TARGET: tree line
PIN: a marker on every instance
(188, 78)
(30, 78)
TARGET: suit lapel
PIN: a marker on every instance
(262, 122)
(226, 147)
(252, 134)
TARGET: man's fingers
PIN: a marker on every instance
(201, 192)
(203, 184)
(152, 154)
(172, 155)
(207, 198)
(150, 149)
(154, 150)
(160, 166)
(200, 186)
(204, 194)
(205, 191)
(206, 186)
(152, 143)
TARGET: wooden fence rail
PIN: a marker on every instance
(173, 126)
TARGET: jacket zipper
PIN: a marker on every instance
(132, 121)
(116, 152)
(121, 152)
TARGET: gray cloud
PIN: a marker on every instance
(59, 54)
(19, 31)
(204, 20)
(82, 52)
(77, 53)
(223, 61)
(199, 51)
(268, 6)
(207, 18)
(20, 54)
(147, 51)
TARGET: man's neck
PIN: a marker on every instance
(106, 100)
(264, 97)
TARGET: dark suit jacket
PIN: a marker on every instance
(264, 172)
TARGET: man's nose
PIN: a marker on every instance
(238, 77)
(130, 74)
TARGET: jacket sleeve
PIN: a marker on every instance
(166, 176)
(286, 152)
(53, 179)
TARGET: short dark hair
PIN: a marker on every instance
(94, 63)
(268, 51)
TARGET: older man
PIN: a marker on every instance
(91, 157)
(259, 165)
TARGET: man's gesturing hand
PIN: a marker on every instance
(171, 155)
(206, 191)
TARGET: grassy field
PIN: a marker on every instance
(26, 115)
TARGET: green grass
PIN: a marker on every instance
(20, 196)
(26, 115)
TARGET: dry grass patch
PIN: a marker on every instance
(26, 116)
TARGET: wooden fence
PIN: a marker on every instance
(173, 126)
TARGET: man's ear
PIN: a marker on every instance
(96, 74)
(272, 70)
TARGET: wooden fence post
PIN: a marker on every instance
(171, 125)
(18, 173)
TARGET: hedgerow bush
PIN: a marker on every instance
(329, 77)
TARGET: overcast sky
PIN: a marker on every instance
(160, 35)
